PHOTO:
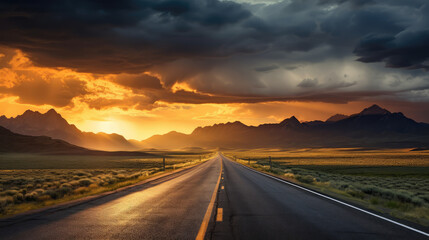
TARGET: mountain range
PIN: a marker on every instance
(13, 142)
(372, 127)
(52, 124)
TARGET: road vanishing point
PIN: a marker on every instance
(218, 199)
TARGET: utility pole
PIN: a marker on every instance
(163, 163)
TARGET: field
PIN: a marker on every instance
(395, 182)
(33, 181)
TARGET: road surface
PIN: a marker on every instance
(168, 208)
(258, 207)
(249, 206)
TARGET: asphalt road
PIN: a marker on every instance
(169, 208)
(173, 207)
(258, 207)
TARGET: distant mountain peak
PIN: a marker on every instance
(336, 118)
(291, 122)
(374, 110)
(30, 113)
(52, 112)
(236, 123)
(52, 124)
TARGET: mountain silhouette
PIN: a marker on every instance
(53, 125)
(336, 118)
(12, 142)
(374, 110)
(372, 127)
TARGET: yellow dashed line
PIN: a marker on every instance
(219, 215)
(205, 223)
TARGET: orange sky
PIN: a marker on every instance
(117, 103)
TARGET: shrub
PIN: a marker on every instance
(19, 197)
(85, 182)
(39, 191)
(417, 201)
(43, 198)
(352, 191)
(30, 196)
(53, 193)
(81, 173)
(305, 179)
(120, 176)
(11, 192)
(6, 200)
(81, 190)
(403, 196)
(289, 175)
(74, 183)
(425, 197)
(65, 188)
(3, 202)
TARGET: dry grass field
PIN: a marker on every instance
(33, 181)
(391, 181)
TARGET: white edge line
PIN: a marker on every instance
(335, 200)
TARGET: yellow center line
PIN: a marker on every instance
(219, 215)
(202, 232)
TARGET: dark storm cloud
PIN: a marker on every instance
(406, 50)
(308, 83)
(266, 68)
(132, 35)
(138, 81)
(122, 36)
(227, 51)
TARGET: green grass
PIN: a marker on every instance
(390, 181)
(33, 181)
(40, 161)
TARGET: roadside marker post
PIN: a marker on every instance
(163, 163)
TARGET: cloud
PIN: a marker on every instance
(224, 51)
(308, 83)
(266, 68)
(38, 91)
(138, 81)
(408, 49)
(38, 86)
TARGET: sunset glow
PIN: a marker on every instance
(139, 97)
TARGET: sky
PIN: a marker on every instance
(140, 68)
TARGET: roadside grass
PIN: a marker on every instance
(35, 181)
(395, 182)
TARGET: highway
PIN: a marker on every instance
(248, 206)
(168, 208)
(255, 206)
